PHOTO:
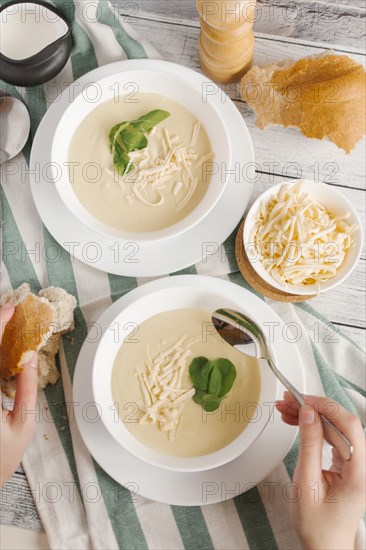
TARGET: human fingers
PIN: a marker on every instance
(348, 424)
(289, 399)
(337, 459)
(289, 410)
(287, 415)
(290, 420)
(309, 464)
(26, 396)
(6, 313)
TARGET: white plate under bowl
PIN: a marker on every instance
(187, 488)
(167, 299)
(142, 258)
(333, 200)
(181, 88)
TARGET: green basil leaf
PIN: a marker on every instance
(228, 374)
(147, 122)
(111, 134)
(133, 138)
(120, 159)
(215, 382)
(210, 402)
(120, 143)
(199, 371)
(126, 137)
(212, 380)
(114, 132)
(198, 396)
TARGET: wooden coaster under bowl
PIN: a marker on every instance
(256, 281)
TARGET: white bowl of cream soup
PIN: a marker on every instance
(142, 384)
(171, 183)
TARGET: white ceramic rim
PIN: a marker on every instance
(350, 261)
(172, 298)
(188, 92)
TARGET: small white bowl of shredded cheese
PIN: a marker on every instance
(302, 237)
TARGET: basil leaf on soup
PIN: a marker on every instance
(198, 396)
(120, 159)
(210, 402)
(114, 134)
(147, 122)
(212, 380)
(126, 137)
(215, 380)
(223, 376)
(199, 372)
(133, 138)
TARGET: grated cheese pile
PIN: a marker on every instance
(154, 172)
(161, 385)
(298, 240)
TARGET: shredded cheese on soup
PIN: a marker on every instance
(156, 168)
(161, 385)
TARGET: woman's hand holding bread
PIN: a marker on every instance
(17, 426)
(31, 326)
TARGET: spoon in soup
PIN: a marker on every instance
(243, 334)
(15, 126)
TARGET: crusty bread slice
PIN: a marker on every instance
(323, 95)
(27, 331)
(36, 325)
(63, 304)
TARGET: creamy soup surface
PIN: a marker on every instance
(198, 432)
(136, 202)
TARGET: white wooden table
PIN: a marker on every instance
(283, 29)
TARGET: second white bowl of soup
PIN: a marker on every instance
(147, 391)
(141, 184)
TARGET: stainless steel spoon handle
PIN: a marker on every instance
(297, 395)
(332, 434)
(336, 438)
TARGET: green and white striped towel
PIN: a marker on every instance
(58, 466)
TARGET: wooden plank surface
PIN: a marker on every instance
(15, 538)
(340, 22)
(284, 149)
(283, 29)
(17, 506)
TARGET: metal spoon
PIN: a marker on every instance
(15, 126)
(247, 337)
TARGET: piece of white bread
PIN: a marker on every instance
(37, 324)
(323, 95)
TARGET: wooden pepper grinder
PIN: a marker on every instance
(226, 39)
